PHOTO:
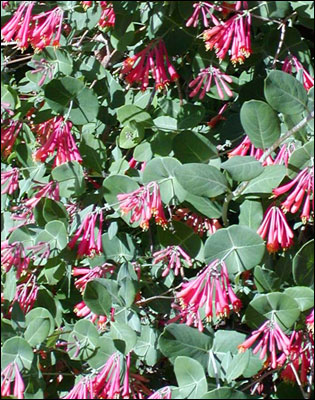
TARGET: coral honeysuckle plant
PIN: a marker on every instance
(157, 213)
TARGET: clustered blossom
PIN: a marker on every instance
(247, 148)
(55, 134)
(275, 226)
(88, 246)
(45, 68)
(310, 321)
(211, 283)
(9, 131)
(303, 185)
(10, 181)
(289, 62)
(272, 340)
(150, 62)
(217, 118)
(11, 379)
(25, 294)
(83, 311)
(205, 78)
(144, 203)
(107, 384)
(301, 352)
(175, 257)
(199, 224)
(88, 274)
(206, 10)
(13, 255)
(108, 16)
(233, 34)
(164, 393)
(40, 30)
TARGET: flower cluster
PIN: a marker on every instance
(217, 118)
(275, 225)
(13, 255)
(88, 246)
(206, 10)
(10, 181)
(247, 148)
(175, 256)
(40, 30)
(164, 393)
(55, 134)
(45, 68)
(272, 340)
(233, 34)
(9, 131)
(108, 16)
(310, 321)
(25, 294)
(211, 283)
(144, 203)
(88, 274)
(199, 224)
(106, 384)
(11, 376)
(150, 61)
(83, 311)
(304, 185)
(204, 79)
(291, 61)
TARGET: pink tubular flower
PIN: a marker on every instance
(144, 203)
(108, 16)
(4, 4)
(310, 321)
(13, 255)
(211, 282)
(49, 190)
(234, 34)
(11, 373)
(26, 294)
(206, 10)
(247, 148)
(10, 181)
(284, 154)
(204, 79)
(84, 389)
(303, 185)
(88, 246)
(164, 393)
(301, 354)
(214, 120)
(175, 256)
(275, 225)
(45, 68)
(89, 274)
(9, 132)
(82, 310)
(273, 339)
(86, 4)
(199, 224)
(151, 60)
(55, 134)
(308, 80)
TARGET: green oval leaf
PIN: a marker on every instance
(17, 350)
(97, 298)
(243, 168)
(303, 265)
(190, 377)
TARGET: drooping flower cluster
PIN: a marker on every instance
(45, 68)
(199, 224)
(25, 294)
(233, 34)
(204, 79)
(55, 134)
(246, 148)
(301, 354)
(14, 255)
(88, 246)
(83, 311)
(152, 61)
(272, 341)
(9, 131)
(275, 226)
(175, 257)
(12, 383)
(107, 384)
(206, 10)
(10, 181)
(212, 283)
(303, 185)
(144, 203)
(108, 16)
(292, 61)
(88, 274)
(40, 30)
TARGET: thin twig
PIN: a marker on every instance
(281, 41)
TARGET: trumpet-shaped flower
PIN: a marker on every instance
(199, 224)
(11, 379)
(175, 257)
(204, 80)
(206, 9)
(275, 226)
(292, 61)
(10, 181)
(144, 203)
